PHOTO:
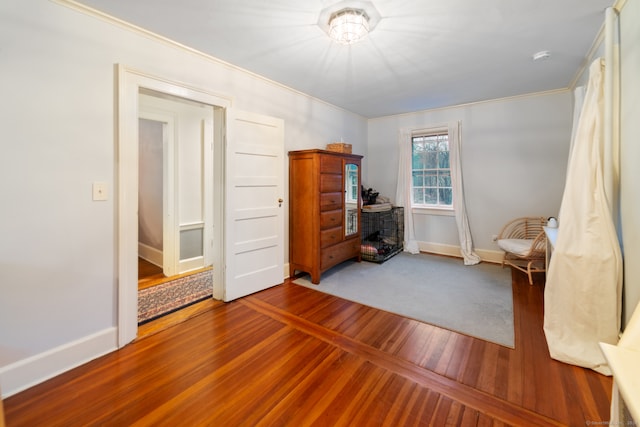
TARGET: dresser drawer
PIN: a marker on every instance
(330, 237)
(330, 183)
(338, 253)
(330, 164)
(330, 201)
(330, 219)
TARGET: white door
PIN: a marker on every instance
(254, 207)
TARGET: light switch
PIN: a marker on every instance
(100, 191)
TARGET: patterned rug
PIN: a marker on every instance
(165, 298)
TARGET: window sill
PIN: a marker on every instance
(433, 211)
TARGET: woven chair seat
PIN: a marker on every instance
(520, 247)
(524, 242)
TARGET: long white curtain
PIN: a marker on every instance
(403, 190)
(578, 101)
(584, 281)
(459, 206)
(403, 193)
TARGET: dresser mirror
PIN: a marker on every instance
(351, 195)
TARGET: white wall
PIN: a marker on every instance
(630, 153)
(58, 281)
(514, 156)
(150, 185)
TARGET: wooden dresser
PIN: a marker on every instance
(324, 215)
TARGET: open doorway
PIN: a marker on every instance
(175, 203)
(247, 186)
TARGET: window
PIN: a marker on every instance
(431, 173)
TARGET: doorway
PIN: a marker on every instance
(247, 188)
(175, 202)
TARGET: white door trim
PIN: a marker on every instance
(128, 84)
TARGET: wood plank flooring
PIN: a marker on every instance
(149, 274)
(292, 356)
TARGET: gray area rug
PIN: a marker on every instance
(473, 300)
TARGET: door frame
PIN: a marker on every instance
(129, 83)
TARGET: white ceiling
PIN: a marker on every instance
(422, 54)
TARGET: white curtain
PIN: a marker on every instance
(403, 193)
(584, 281)
(578, 101)
(459, 206)
(403, 190)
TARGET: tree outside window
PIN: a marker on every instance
(431, 173)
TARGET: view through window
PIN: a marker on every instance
(431, 173)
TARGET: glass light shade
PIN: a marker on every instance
(348, 26)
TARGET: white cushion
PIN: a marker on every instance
(516, 246)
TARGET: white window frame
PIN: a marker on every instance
(426, 209)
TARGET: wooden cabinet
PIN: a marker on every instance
(324, 215)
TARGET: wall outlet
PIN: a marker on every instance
(494, 237)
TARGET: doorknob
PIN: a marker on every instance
(280, 202)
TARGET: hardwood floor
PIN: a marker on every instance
(294, 356)
(149, 274)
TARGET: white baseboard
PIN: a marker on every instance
(489, 255)
(452, 250)
(33, 370)
(153, 255)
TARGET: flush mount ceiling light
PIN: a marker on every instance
(348, 26)
(348, 21)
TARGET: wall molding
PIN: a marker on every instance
(36, 369)
(87, 10)
(153, 255)
(486, 255)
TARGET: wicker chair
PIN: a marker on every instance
(524, 242)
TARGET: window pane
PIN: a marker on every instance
(417, 157)
(444, 178)
(443, 159)
(431, 178)
(431, 160)
(418, 179)
(431, 196)
(431, 174)
(418, 196)
(446, 196)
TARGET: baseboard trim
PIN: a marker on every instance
(454, 251)
(33, 370)
(488, 255)
(153, 255)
